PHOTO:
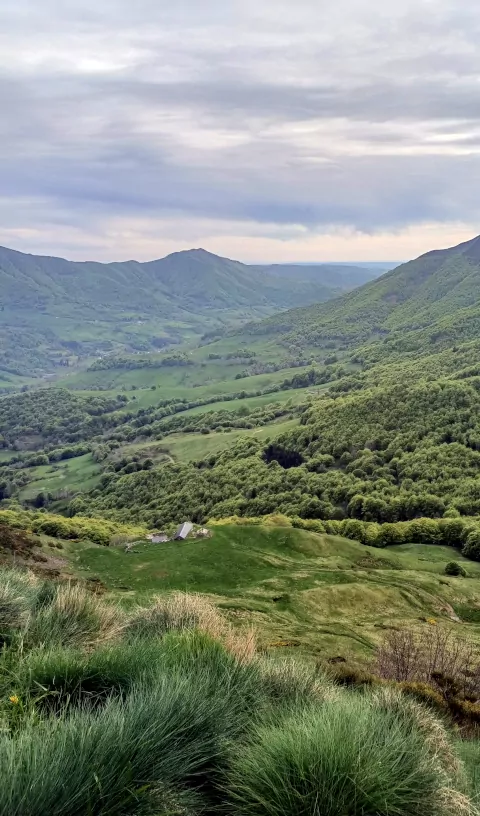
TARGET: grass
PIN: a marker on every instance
(74, 475)
(163, 713)
(191, 382)
(320, 594)
(279, 398)
(190, 447)
(345, 757)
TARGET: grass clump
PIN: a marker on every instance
(169, 711)
(179, 612)
(57, 677)
(18, 592)
(74, 617)
(346, 757)
(289, 682)
(115, 760)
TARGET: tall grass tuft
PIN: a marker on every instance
(346, 757)
(18, 591)
(291, 682)
(178, 612)
(74, 617)
(469, 752)
(55, 677)
(115, 759)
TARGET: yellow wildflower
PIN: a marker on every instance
(14, 699)
(432, 621)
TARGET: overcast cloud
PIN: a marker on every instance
(274, 130)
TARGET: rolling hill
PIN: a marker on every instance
(53, 311)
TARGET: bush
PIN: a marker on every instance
(424, 693)
(471, 548)
(454, 568)
(348, 757)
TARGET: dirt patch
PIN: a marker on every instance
(15, 543)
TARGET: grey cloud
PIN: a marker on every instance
(210, 117)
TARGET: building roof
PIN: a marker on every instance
(184, 530)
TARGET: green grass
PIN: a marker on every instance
(326, 595)
(74, 475)
(296, 396)
(168, 709)
(190, 447)
(180, 382)
(347, 757)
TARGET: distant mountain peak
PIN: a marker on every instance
(197, 252)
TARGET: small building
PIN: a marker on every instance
(183, 531)
(158, 537)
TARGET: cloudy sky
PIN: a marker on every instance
(276, 130)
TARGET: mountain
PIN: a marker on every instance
(52, 309)
(439, 291)
(339, 276)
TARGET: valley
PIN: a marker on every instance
(369, 437)
(239, 447)
(333, 456)
(57, 314)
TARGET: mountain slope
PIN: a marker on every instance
(339, 276)
(417, 294)
(51, 308)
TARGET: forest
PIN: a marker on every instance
(380, 454)
(392, 437)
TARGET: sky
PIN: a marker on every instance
(272, 131)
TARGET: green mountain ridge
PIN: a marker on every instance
(413, 296)
(52, 309)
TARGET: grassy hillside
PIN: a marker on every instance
(167, 709)
(419, 293)
(55, 312)
(383, 454)
(325, 595)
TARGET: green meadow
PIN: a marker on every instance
(79, 474)
(316, 594)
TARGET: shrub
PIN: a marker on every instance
(454, 568)
(471, 548)
(348, 756)
(437, 657)
(424, 693)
